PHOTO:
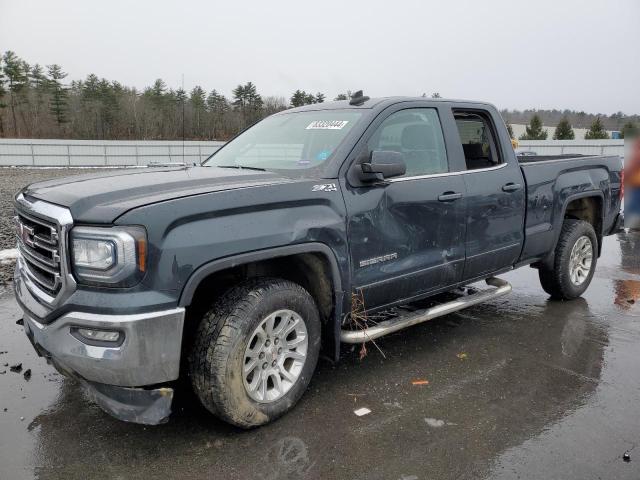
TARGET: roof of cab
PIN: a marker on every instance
(377, 103)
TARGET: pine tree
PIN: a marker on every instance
(59, 95)
(216, 103)
(248, 101)
(39, 86)
(198, 106)
(38, 80)
(298, 98)
(564, 130)
(179, 96)
(341, 96)
(596, 131)
(239, 98)
(159, 88)
(534, 130)
(14, 71)
(254, 100)
(435, 95)
(90, 100)
(109, 107)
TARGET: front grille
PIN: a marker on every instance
(39, 246)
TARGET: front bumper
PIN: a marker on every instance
(117, 375)
(149, 353)
(136, 405)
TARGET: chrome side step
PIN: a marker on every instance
(413, 318)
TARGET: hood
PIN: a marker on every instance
(101, 198)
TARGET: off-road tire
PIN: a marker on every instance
(556, 281)
(217, 355)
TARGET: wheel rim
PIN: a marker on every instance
(580, 260)
(275, 356)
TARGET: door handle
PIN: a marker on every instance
(449, 197)
(511, 187)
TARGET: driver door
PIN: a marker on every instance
(407, 234)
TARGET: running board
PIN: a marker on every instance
(413, 318)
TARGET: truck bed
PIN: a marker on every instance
(544, 158)
(553, 181)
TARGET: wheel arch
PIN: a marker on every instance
(587, 206)
(308, 264)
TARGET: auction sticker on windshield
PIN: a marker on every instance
(327, 125)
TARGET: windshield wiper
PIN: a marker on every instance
(241, 167)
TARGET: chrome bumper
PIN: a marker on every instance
(149, 353)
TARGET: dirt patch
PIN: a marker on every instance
(11, 181)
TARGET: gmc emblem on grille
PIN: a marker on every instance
(24, 232)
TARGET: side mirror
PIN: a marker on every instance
(383, 164)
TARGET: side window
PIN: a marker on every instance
(417, 134)
(478, 140)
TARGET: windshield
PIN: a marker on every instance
(294, 141)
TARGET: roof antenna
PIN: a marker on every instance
(358, 98)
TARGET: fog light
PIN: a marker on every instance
(99, 335)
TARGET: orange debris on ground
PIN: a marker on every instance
(420, 382)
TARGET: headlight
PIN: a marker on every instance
(115, 256)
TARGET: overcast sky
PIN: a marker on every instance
(582, 55)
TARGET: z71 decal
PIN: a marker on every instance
(325, 187)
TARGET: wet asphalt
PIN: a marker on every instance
(522, 387)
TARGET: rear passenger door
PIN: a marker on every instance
(406, 235)
(495, 195)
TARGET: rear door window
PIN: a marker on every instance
(478, 140)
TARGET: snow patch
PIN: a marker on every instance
(8, 256)
(436, 423)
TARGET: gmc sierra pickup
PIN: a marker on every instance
(236, 273)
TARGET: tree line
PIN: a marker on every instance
(564, 130)
(39, 102)
(577, 119)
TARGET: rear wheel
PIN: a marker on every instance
(574, 262)
(255, 351)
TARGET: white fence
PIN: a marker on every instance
(95, 153)
(567, 147)
(112, 153)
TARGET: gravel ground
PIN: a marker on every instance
(12, 180)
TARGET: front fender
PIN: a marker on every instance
(190, 238)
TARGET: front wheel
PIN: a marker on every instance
(574, 262)
(255, 351)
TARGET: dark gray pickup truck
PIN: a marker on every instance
(238, 272)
